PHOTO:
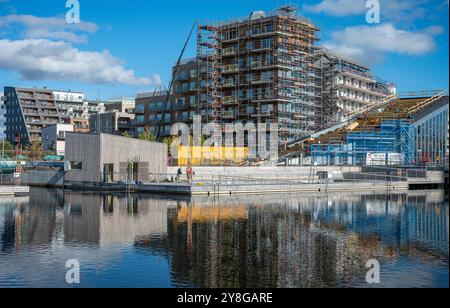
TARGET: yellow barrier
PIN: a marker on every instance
(210, 156)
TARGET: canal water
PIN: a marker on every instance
(243, 241)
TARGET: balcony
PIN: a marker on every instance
(229, 115)
(229, 84)
(231, 68)
(229, 100)
(229, 52)
(261, 81)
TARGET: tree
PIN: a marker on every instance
(147, 136)
(7, 147)
(35, 151)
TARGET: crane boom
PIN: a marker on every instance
(169, 90)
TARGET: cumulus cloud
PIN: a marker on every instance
(337, 7)
(41, 59)
(49, 27)
(369, 43)
(391, 10)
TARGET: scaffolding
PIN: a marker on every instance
(404, 132)
(392, 137)
(209, 56)
(260, 69)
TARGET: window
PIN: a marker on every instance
(76, 165)
(140, 108)
(141, 120)
(193, 100)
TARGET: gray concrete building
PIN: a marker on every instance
(104, 158)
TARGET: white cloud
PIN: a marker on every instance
(337, 7)
(391, 10)
(49, 27)
(369, 43)
(42, 59)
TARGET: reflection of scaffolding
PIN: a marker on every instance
(209, 53)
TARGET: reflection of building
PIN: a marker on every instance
(28, 222)
(103, 220)
(311, 242)
(241, 241)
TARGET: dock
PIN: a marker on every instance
(15, 191)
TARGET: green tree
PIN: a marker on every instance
(7, 147)
(35, 151)
(147, 136)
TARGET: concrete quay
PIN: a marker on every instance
(224, 188)
(15, 191)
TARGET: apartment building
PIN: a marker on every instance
(28, 111)
(260, 69)
(2, 116)
(149, 113)
(74, 105)
(344, 85)
(113, 122)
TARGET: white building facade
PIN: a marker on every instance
(54, 138)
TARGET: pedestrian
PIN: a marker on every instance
(179, 174)
(190, 173)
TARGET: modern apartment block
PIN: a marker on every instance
(117, 119)
(122, 105)
(259, 69)
(255, 69)
(345, 85)
(264, 68)
(28, 111)
(149, 112)
(112, 122)
(73, 105)
(2, 116)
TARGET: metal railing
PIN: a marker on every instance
(319, 177)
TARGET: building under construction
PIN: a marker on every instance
(346, 85)
(259, 69)
(407, 131)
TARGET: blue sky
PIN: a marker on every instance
(121, 48)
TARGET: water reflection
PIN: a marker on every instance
(243, 241)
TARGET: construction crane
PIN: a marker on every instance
(169, 89)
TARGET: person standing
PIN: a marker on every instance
(179, 174)
(190, 173)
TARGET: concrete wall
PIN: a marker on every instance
(38, 178)
(96, 150)
(265, 172)
(84, 148)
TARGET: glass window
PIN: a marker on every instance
(140, 108)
